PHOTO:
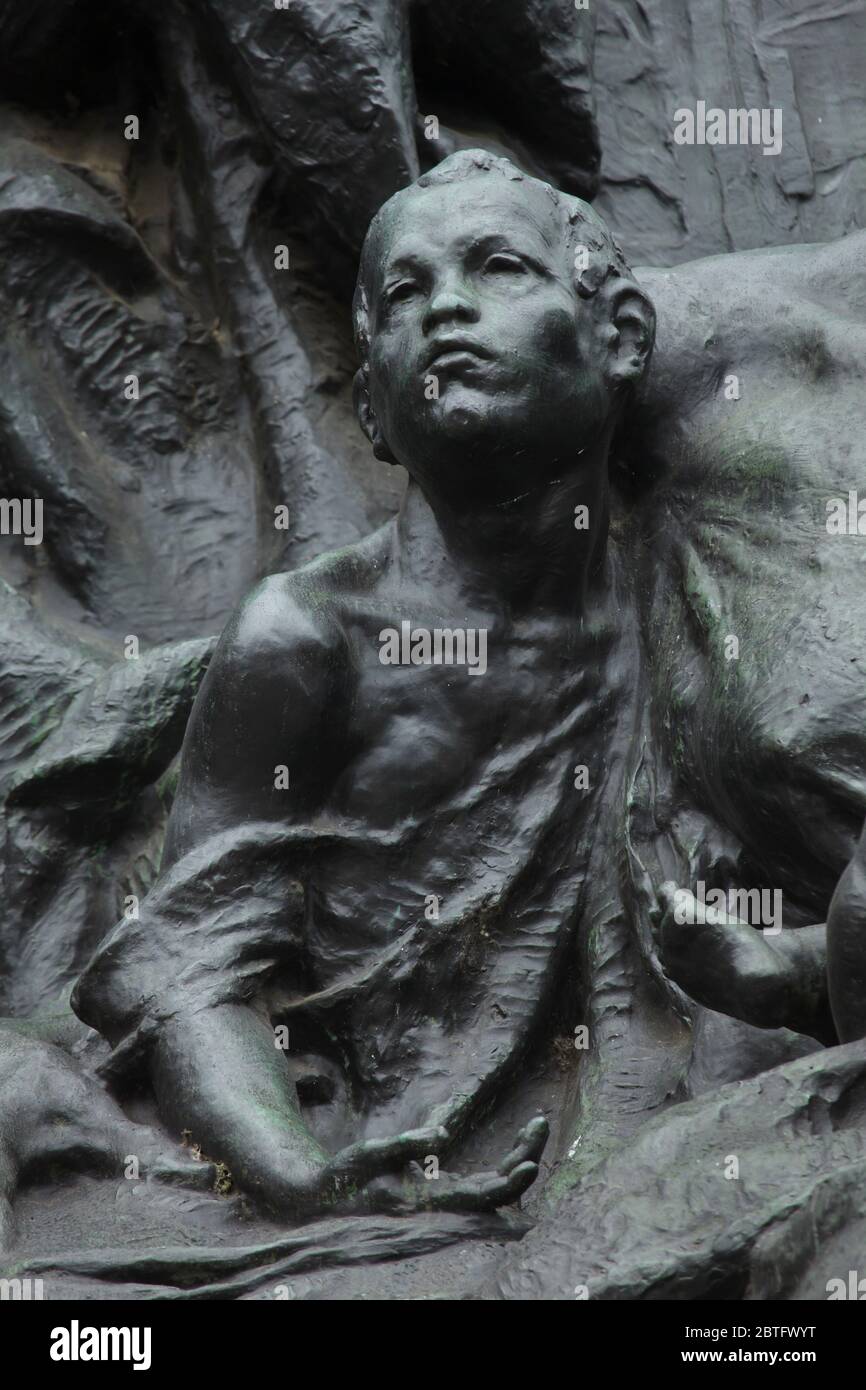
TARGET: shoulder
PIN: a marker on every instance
(283, 665)
(291, 626)
(278, 693)
(282, 622)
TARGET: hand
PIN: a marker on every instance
(346, 1180)
(726, 964)
(364, 1177)
(415, 1191)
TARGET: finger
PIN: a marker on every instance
(486, 1192)
(511, 1187)
(529, 1147)
(373, 1156)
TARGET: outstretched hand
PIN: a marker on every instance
(422, 1190)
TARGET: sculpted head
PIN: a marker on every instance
(499, 329)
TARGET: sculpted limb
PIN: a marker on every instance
(732, 967)
(532, 360)
(55, 1117)
(812, 979)
(219, 1075)
(476, 1192)
(846, 948)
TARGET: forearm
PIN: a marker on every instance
(218, 1074)
(846, 949)
(803, 954)
(768, 981)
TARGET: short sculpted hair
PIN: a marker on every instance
(581, 227)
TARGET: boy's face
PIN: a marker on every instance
(481, 354)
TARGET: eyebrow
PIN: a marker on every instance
(407, 260)
(411, 260)
(505, 239)
(531, 222)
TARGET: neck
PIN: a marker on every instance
(524, 552)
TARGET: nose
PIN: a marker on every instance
(450, 301)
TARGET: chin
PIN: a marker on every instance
(462, 422)
(468, 414)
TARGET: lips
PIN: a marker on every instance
(457, 350)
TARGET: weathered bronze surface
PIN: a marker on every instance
(433, 856)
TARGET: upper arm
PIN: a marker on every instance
(275, 697)
(748, 304)
(758, 314)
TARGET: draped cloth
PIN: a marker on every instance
(422, 960)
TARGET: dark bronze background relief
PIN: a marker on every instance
(432, 677)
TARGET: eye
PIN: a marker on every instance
(504, 262)
(401, 292)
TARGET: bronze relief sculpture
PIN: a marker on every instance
(496, 932)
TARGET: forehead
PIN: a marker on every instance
(428, 222)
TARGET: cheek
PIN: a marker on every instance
(557, 352)
(397, 398)
(387, 382)
(558, 335)
(572, 381)
(552, 346)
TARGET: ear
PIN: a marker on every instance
(367, 420)
(633, 325)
